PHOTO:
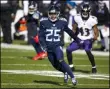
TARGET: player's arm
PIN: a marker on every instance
(95, 29)
(96, 32)
(74, 27)
(70, 32)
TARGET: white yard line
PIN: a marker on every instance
(13, 57)
(28, 84)
(27, 47)
(15, 50)
(56, 74)
(48, 65)
(75, 58)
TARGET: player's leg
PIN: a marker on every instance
(54, 62)
(64, 65)
(40, 53)
(72, 47)
(88, 47)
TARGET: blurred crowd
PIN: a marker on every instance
(14, 19)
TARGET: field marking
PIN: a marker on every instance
(56, 74)
(27, 47)
(28, 84)
(15, 50)
(75, 58)
(12, 57)
(49, 65)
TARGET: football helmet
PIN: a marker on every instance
(53, 13)
(32, 7)
(85, 11)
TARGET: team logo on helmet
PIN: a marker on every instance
(85, 11)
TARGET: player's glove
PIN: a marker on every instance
(79, 42)
(36, 39)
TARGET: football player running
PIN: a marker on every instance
(86, 29)
(50, 32)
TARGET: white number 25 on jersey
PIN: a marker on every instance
(55, 33)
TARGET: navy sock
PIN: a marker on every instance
(67, 69)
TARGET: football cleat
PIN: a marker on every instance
(43, 54)
(74, 81)
(40, 56)
(72, 68)
(36, 57)
(65, 77)
(94, 70)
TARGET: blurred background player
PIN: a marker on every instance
(21, 30)
(8, 10)
(50, 32)
(26, 23)
(71, 12)
(18, 26)
(33, 28)
(85, 25)
(102, 13)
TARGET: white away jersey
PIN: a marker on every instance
(85, 27)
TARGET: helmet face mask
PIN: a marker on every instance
(85, 11)
(53, 14)
(32, 9)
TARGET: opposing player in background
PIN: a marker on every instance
(85, 27)
(50, 32)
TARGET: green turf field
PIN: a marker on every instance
(19, 71)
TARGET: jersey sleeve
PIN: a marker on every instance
(69, 31)
(76, 19)
(94, 20)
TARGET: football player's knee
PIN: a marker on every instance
(68, 50)
(61, 60)
(58, 67)
(87, 50)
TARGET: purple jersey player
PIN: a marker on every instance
(85, 27)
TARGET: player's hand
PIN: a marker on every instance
(36, 39)
(95, 38)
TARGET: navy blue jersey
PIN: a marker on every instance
(35, 17)
(50, 32)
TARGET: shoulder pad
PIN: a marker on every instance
(94, 17)
(78, 15)
(63, 19)
(43, 19)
